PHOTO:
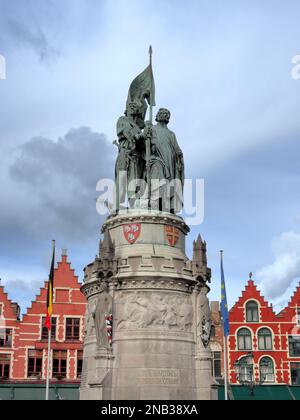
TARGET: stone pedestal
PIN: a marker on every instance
(158, 313)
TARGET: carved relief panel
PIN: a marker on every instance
(154, 311)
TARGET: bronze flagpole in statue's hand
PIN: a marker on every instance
(151, 106)
(148, 140)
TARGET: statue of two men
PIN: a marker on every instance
(164, 162)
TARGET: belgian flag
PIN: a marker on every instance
(50, 292)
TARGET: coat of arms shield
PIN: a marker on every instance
(172, 234)
(132, 232)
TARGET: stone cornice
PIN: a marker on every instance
(147, 218)
(143, 281)
(93, 288)
(153, 283)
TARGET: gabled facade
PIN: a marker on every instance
(289, 320)
(30, 343)
(217, 342)
(272, 339)
(9, 321)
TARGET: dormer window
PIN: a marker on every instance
(252, 314)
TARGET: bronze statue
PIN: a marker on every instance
(130, 163)
(167, 159)
(146, 152)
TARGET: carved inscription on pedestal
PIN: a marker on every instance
(158, 377)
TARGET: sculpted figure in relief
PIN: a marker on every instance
(151, 310)
(104, 307)
(204, 316)
(89, 317)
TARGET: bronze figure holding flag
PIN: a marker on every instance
(146, 152)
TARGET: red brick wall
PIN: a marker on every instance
(68, 303)
(281, 326)
(8, 319)
(217, 340)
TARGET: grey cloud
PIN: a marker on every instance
(277, 277)
(23, 291)
(31, 37)
(59, 180)
(248, 200)
(22, 286)
(279, 306)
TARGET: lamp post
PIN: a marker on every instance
(245, 372)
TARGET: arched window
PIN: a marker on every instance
(265, 339)
(252, 312)
(213, 331)
(246, 370)
(266, 369)
(244, 339)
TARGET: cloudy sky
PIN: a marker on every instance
(224, 70)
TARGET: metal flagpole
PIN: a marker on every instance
(225, 342)
(148, 142)
(48, 362)
(225, 369)
(49, 342)
(151, 106)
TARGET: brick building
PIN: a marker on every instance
(23, 343)
(9, 324)
(217, 342)
(273, 339)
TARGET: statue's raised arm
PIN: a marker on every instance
(131, 141)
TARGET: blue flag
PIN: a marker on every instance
(224, 305)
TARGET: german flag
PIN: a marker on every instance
(50, 292)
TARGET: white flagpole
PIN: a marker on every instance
(48, 362)
(225, 368)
